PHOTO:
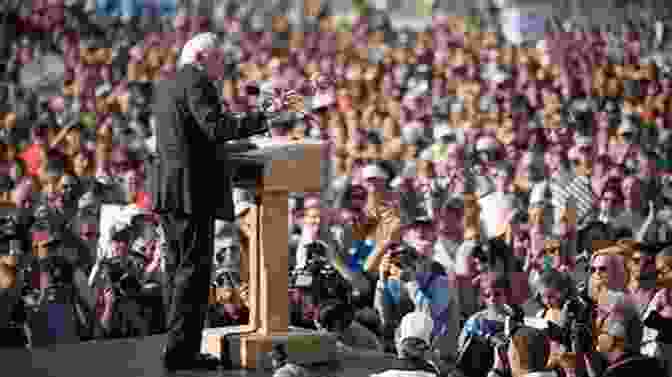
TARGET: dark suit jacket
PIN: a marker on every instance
(187, 177)
(632, 365)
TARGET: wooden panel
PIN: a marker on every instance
(273, 262)
(300, 171)
(253, 279)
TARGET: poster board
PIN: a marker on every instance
(521, 25)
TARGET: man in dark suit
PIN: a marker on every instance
(191, 189)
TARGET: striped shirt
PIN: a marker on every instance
(565, 185)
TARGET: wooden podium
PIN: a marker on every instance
(274, 170)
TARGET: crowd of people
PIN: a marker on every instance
(481, 195)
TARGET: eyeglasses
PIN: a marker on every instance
(495, 294)
(598, 269)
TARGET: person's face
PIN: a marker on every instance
(552, 297)
(67, 186)
(358, 198)
(10, 152)
(73, 137)
(134, 180)
(227, 253)
(664, 268)
(558, 135)
(119, 248)
(647, 168)
(642, 266)
(629, 188)
(452, 160)
(599, 275)
(120, 165)
(89, 233)
(503, 180)
(81, 165)
(51, 183)
(422, 238)
(40, 249)
(311, 223)
(487, 155)
(494, 296)
(521, 242)
(450, 221)
(609, 201)
(374, 184)
(213, 60)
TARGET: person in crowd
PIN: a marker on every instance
(281, 365)
(337, 317)
(413, 342)
(526, 355)
(68, 149)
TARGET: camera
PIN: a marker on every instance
(117, 274)
(226, 279)
(319, 277)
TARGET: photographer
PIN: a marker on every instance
(14, 331)
(413, 340)
(228, 305)
(315, 282)
(482, 331)
(119, 285)
(569, 316)
(337, 317)
(525, 355)
(393, 299)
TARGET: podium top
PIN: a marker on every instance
(266, 149)
(278, 165)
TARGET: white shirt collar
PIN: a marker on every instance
(548, 373)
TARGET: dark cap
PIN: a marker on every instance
(278, 353)
(122, 235)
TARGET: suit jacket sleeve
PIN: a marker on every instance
(203, 103)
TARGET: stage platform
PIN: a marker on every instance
(140, 357)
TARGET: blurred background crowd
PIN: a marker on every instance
(476, 165)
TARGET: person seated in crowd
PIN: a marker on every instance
(526, 355)
(338, 317)
(413, 340)
(55, 316)
(282, 367)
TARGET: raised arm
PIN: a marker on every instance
(203, 103)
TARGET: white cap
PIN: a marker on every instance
(416, 325)
(540, 194)
(426, 155)
(626, 126)
(487, 143)
(583, 140)
(199, 43)
(411, 133)
(441, 130)
(374, 171)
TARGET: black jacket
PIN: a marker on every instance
(192, 175)
(634, 365)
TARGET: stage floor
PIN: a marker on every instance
(140, 357)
